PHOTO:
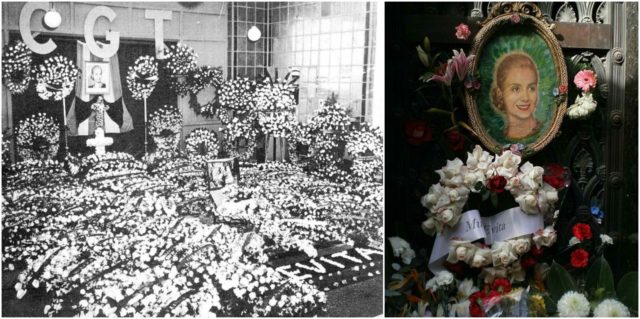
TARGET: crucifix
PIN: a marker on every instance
(100, 142)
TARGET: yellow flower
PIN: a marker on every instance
(536, 306)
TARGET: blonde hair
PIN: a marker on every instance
(518, 59)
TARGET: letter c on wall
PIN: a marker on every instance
(25, 28)
(113, 37)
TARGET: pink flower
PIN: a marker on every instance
(461, 63)
(445, 76)
(585, 80)
(515, 19)
(462, 31)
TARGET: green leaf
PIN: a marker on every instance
(559, 281)
(494, 199)
(423, 56)
(599, 281)
(425, 77)
(486, 194)
(628, 290)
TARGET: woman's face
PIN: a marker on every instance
(520, 92)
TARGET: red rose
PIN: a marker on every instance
(582, 231)
(457, 268)
(556, 175)
(528, 262)
(501, 285)
(456, 141)
(537, 252)
(497, 183)
(475, 310)
(417, 132)
(579, 258)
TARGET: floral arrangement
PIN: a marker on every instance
(366, 142)
(165, 127)
(235, 132)
(203, 77)
(330, 117)
(276, 108)
(201, 144)
(462, 31)
(585, 104)
(236, 95)
(142, 77)
(485, 174)
(56, 78)
(180, 59)
(16, 67)
(37, 137)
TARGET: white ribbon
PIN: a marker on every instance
(505, 225)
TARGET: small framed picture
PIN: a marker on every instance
(98, 77)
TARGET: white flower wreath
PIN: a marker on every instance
(201, 138)
(167, 119)
(142, 77)
(236, 95)
(275, 104)
(234, 132)
(37, 137)
(16, 67)
(56, 78)
(330, 117)
(446, 199)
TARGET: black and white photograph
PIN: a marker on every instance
(97, 78)
(192, 159)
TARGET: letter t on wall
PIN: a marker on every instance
(158, 16)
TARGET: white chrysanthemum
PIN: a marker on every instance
(584, 105)
(573, 304)
(611, 308)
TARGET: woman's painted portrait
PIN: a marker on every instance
(520, 70)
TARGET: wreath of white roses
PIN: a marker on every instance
(16, 67)
(364, 141)
(446, 199)
(275, 104)
(56, 78)
(38, 128)
(236, 131)
(201, 137)
(168, 117)
(142, 77)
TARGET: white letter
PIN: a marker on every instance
(158, 16)
(25, 28)
(112, 36)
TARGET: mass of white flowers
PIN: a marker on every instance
(441, 279)
(611, 308)
(584, 105)
(573, 304)
(402, 249)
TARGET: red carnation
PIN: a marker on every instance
(501, 285)
(528, 262)
(582, 231)
(417, 132)
(475, 304)
(556, 175)
(456, 141)
(579, 258)
(497, 183)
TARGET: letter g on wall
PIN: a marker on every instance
(107, 50)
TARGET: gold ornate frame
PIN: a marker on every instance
(500, 16)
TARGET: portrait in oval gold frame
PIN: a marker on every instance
(519, 64)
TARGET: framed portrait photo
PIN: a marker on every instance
(98, 77)
(518, 61)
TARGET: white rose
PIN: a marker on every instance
(479, 159)
(521, 245)
(401, 248)
(461, 251)
(446, 215)
(545, 237)
(506, 164)
(502, 254)
(481, 258)
(606, 239)
(451, 174)
(530, 176)
(528, 203)
(583, 106)
(429, 226)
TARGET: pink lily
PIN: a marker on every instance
(447, 76)
(460, 63)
